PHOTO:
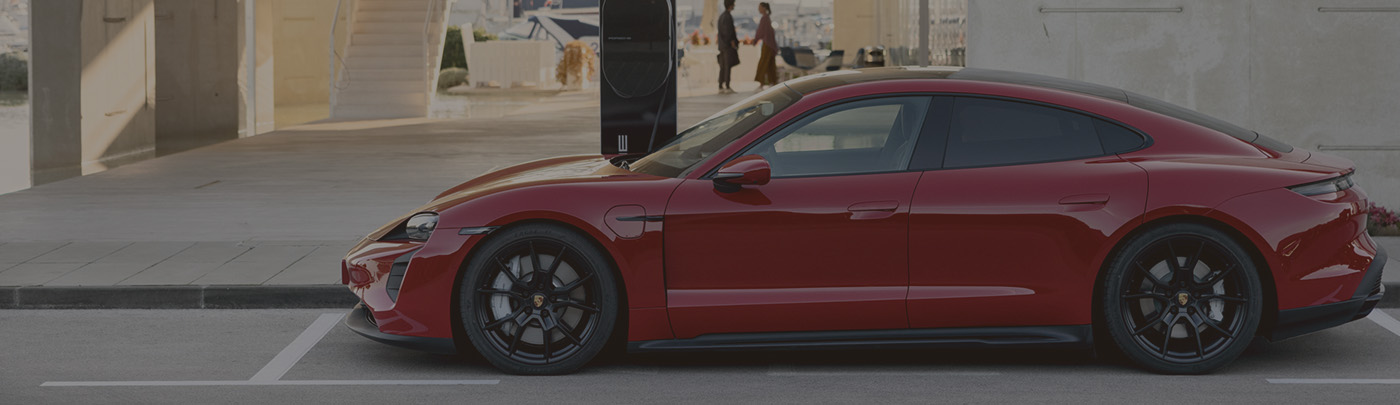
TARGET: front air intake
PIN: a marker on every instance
(396, 273)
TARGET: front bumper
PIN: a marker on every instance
(1301, 321)
(362, 322)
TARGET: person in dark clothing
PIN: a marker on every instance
(767, 63)
(728, 47)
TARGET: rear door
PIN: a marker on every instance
(1014, 212)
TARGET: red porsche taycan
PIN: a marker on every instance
(891, 208)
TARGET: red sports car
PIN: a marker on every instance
(892, 208)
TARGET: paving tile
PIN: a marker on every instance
(240, 273)
(35, 273)
(321, 266)
(273, 254)
(80, 252)
(148, 253)
(209, 252)
(171, 273)
(20, 252)
(99, 274)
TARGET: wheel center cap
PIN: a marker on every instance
(1182, 298)
(538, 300)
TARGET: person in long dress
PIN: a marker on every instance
(728, 47)
(767, 66)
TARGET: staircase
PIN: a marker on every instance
(391, 65)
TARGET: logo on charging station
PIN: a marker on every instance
(622, 143)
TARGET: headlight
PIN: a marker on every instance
(1328, 186)
(420, 226)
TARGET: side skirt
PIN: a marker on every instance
(1064, 337)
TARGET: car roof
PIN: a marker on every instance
(815, 83)
(811, 84)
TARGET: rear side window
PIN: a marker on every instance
(1117, 139)
(986, 132)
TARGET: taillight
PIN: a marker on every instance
(1332, 185)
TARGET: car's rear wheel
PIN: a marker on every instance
(538, 299)
(1182, 299)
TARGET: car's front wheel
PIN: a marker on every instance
(538, 299)
(1182, 299)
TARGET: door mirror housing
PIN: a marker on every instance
(752, 170)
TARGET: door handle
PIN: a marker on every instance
(887, 206)
(1085, 199)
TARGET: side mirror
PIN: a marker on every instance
(750, 170)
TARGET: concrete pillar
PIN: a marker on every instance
(55, 144)
(922, 55)
(263, 77)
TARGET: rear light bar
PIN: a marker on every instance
(1332, 185)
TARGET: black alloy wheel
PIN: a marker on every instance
(1182, 299)
(538, 299)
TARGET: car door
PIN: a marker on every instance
(822, 246)
(1007, 229)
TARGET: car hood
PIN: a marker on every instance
(551, 171)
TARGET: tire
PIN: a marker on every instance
(1191, 315)
(527, 313)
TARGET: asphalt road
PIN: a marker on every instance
(285, 356)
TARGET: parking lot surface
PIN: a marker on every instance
(249, 356)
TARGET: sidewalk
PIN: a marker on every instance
(278, 210)
(275, 210)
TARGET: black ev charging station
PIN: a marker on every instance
(638, 100)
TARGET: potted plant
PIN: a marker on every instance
(1382, 221)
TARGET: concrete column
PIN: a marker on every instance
(264, 80)
(55, 91)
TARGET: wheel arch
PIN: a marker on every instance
(1242, 237)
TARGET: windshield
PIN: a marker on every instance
(696, 144)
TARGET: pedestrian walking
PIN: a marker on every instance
(728, 47)
(767, 63)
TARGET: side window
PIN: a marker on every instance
(866, 136)
(986, 132)
(1117, 139)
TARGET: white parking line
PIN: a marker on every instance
(214, 383)
(275, 369)
(271, 374)
(1380, 318)
(787, 371)
(1333, 381)
(1385, 321)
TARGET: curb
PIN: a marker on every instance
(178, 297)
(238, 297)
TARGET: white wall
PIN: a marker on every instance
(1324, 79)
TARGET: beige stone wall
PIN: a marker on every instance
(118, 83)
(301, 37)
(197, 95)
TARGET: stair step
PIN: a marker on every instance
(371, 84)
(387, 39)
(413, 75)
(408, 16)
(386, 51)
(395, 5)
(384, 62)
(358, 111)
(351, 95)
(382, 27)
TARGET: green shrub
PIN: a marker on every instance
(451, 77)
(452, 54)
(481, 35)
(14, 72)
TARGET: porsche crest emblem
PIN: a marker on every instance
(539, 301)
(1180, 298)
